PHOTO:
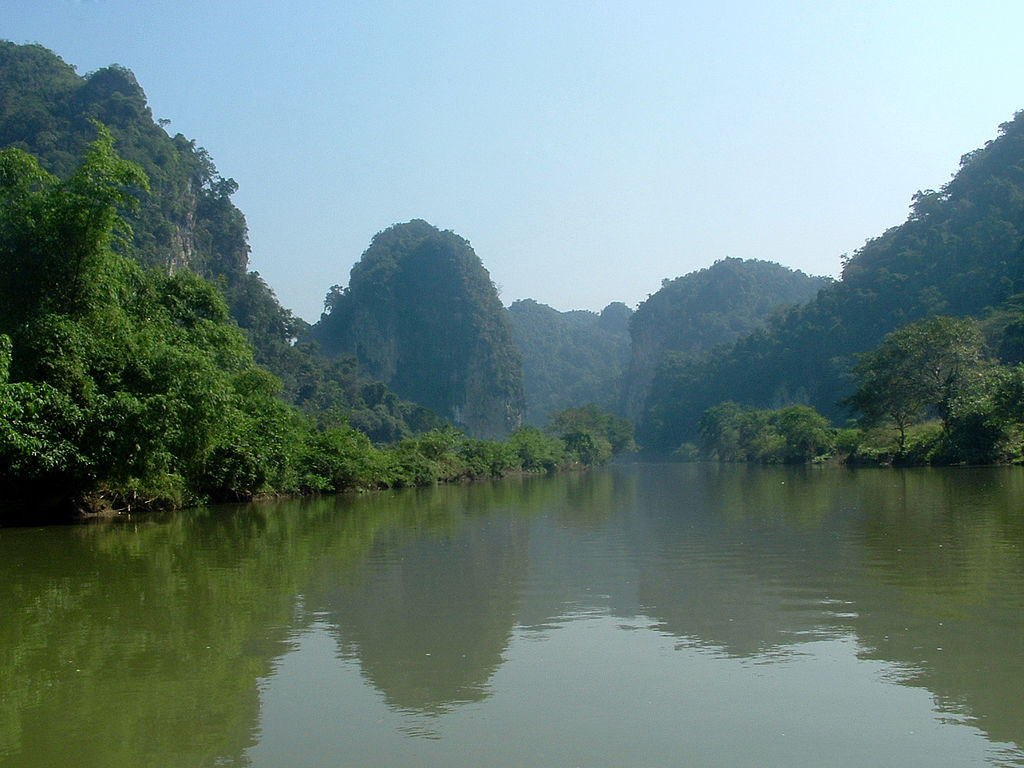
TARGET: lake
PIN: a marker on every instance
(641, 615)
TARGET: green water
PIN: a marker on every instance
(691, 615)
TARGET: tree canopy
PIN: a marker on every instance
(921, 369)
(128, 383)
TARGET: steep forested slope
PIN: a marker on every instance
(421, 313)
(704, 309)
(960, 252)
(186, 221)
(569, 358)
(131, 384)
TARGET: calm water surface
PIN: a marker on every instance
(689, 615)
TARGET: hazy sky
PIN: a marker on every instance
(587, 150)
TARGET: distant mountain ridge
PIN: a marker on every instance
(421, 312)
(570, 358)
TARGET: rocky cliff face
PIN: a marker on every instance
(421, 314)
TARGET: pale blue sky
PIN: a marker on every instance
(586, 149)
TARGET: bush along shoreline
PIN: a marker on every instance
(930, 393)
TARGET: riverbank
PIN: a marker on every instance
(332, 462)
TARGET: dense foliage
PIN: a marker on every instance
(593, 434)
(421, 314)
(569, 358)
(930, 393)
(939, 371)
(960, 252)
(795, 434)
(706, 309)
(188, 220)
(117, 380)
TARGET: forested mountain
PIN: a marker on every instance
(186, 221)
(569, 358)
(130, 381)
(960, 252)
(705, 309)
(421, 314)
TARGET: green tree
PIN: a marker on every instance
(537, 452)
(806, 433)
(119, 384)
(592, 433)
(795, 434)
(55, 236)
(923, 369)
(721, 431)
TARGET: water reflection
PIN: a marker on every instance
(428, 621)
(247, 634)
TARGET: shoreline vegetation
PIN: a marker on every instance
(445, 456)
(930, 394)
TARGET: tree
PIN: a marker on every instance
(592, 433)
(795, 434)
(922, 369)
(55, 236)
(720, 427)
(118, 383)
(537, 452)
(806, 434)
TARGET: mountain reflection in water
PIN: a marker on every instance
(729, 614)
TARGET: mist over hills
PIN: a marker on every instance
(569, 358)
(703, 310)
